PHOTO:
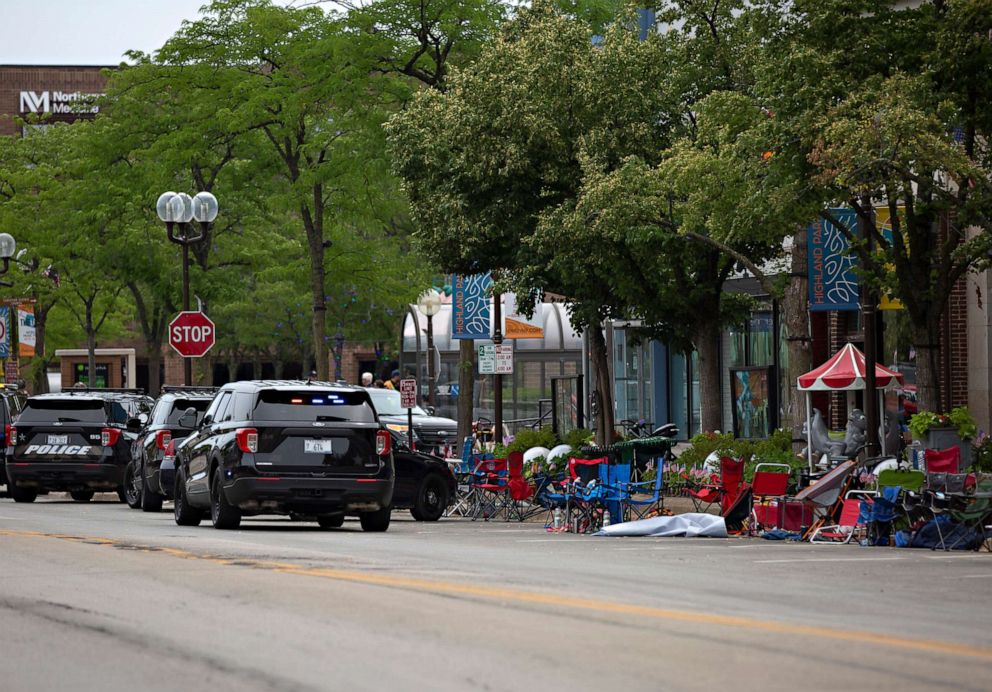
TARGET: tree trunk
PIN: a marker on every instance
(256, 366)
(90, 346)
(707, 343)
(278, 366)
(153, 350)
(41, 372)
(796, 323)
(926, 341)
(466, 388)
(603, 392)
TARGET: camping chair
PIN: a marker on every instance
(585, 497)
(464, 501)
(943, 460)
(615, 479)
(644, 499)
(896, 492)
(971, 513)
(825, 497)
(769, 484)
(738, 512)
(518, 490)
(725, 491)
(490, 486)
(851, 519)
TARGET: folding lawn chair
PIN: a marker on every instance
(769, 484)
(943, 460)
(518, 490)
(644, 499)
(616, 490)
(585, 498)
(825, 496)
(852, 518)
(896, 492)
(738, 512)
(725, 491)
(490, 486)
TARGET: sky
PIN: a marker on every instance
(87, 32)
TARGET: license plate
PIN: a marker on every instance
(58, 439)
(318, 446)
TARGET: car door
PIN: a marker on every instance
(201, 448)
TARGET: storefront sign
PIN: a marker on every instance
(516, 325)
(67, 102)
(470, 306)
(833, 284)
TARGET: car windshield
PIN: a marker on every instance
(313, 405)
(387, 403)
(63, 411)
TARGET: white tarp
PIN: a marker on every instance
(689, 525)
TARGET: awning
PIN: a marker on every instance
(845, 371)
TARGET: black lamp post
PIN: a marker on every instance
(177, 210)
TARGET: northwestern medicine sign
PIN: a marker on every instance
(833, 283)
(58, 102)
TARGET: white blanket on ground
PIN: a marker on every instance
(689, 525)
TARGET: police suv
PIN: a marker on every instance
(77, 441)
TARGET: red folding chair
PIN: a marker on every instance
(518, 490)
(850, 521)
(769, 488)
(725, 492)
(943, 460)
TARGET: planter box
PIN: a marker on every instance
(942, 438)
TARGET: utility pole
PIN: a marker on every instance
(498, 378)
(869, 307)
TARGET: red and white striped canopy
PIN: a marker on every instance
(846, 370)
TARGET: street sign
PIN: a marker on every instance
(496, 359)
(192, 334)
(408, 393)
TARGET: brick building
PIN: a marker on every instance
(48, 93)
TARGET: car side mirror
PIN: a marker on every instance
(134, 424)
(430, 409)
(188, 419)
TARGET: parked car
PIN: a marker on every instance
(299, 448)
(143, 488)
(432, 434)
(11, 402)
(77, 441)
(425, 484)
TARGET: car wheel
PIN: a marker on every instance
(183, 513)
(432, 499)
(81, 495)
(223, 514)
(376, 521)
(132, 491)
(330, 521)
(150, 502)
(20, 494)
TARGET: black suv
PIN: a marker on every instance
(77, 441)
(288, 447)
(11, 403)
(143, 487)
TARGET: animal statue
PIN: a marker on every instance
(820, 439)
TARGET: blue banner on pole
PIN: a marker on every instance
(471, 305)
(833, 283)
(5, 332)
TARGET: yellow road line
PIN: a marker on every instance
(546, 599)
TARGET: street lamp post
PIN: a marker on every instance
(8, 246)
(429, 304)
(177, 210)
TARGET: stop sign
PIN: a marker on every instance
(192, 334)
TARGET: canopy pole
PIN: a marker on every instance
(809, 434)
(881, 417)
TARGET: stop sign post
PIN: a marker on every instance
(192, 334)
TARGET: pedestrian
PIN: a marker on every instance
(366, 379)
(379, 384)
(394, 381)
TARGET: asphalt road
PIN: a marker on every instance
(99, 597)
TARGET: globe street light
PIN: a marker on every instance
(7, 249)
(177, 210)
(429, 304)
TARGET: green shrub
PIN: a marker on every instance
(527, 438)
(579, 437)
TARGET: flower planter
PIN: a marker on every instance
(942, 438)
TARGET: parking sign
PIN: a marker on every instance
(408, 393)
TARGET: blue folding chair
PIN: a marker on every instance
(615, 480)
(645, 497)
